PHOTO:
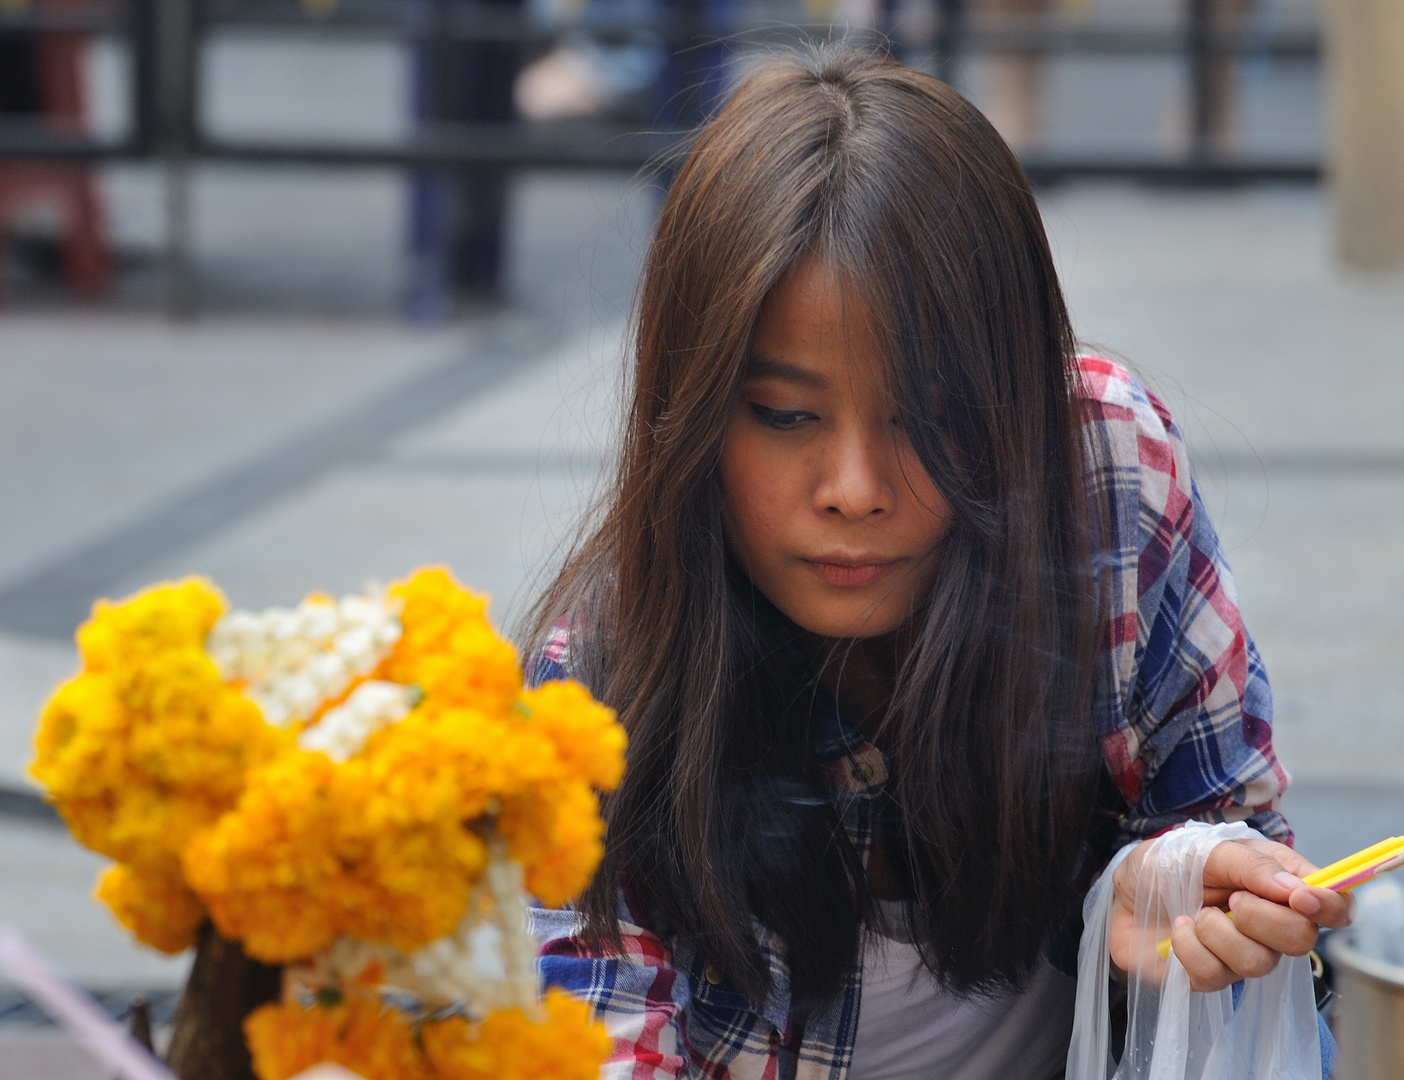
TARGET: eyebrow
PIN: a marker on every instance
(766, 367)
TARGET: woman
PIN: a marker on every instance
(912, 616)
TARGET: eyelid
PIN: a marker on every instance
(779, 419)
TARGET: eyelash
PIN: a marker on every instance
(788, 420)
(780, 419)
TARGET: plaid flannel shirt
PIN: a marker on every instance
(1183, 712)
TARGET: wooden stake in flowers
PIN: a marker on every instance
(361, 790)
(224, 987)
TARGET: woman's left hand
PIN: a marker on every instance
(1274, 912)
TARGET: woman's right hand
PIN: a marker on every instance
(1274, 913)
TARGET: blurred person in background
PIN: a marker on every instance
(457, 216)
(611, 70)
(54, 209)
(1223, 82)
(1014, 79)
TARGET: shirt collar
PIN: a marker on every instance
(856, 765)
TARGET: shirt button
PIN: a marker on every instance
(774, 1036)
(712, 974)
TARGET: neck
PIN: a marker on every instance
(861, 673)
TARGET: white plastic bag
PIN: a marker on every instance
(1173, 1033)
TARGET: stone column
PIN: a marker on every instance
(1365, 70)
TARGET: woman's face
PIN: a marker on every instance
(826, 505)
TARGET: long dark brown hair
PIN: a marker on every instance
(722, 818)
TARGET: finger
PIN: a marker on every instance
(1279, 928)
(1242, 955)
(1322, 906)
(1206, 971)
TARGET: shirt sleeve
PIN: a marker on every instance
(638, 995)
(1183, 707)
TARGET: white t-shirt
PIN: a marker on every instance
(911, 1029)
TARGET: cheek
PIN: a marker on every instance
(935, 518)
(753, 496)
(931, 514)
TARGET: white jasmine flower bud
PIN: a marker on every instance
(283, 625)
(344, 729)
(320, 621)
(294, 660)
(356, 645)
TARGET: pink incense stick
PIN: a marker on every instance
(1365, 873)
(102, 1036)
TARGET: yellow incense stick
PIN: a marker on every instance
(1350, 862)
(1373, 858)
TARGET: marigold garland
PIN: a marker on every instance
(359, 788)
(375, 848)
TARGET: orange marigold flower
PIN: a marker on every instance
(586, 735)
(557, 835)
(509, 1045)
(448, 647)
(285, 1040)
(315, 850)
(375, 1042)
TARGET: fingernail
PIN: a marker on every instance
(1182, 922)
(1288, 881)
(1308, 904)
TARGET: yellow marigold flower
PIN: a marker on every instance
(586, 735)
(448, 647)
(509, 1045)
(147, 745)
(157, 908)
(173, 615)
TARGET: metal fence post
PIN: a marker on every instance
(146, 122)
(950, 36)
(1199, 33)
(176, 43)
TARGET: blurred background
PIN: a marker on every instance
(304, 295)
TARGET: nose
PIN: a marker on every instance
(856, 481)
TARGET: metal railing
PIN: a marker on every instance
(166, 39)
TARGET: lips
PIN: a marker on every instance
(852, 571)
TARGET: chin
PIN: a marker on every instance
(847, 625)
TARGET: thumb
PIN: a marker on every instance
(1233, 866)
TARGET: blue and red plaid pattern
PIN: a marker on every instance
(1183, 712)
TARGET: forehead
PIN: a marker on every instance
(815, 329)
